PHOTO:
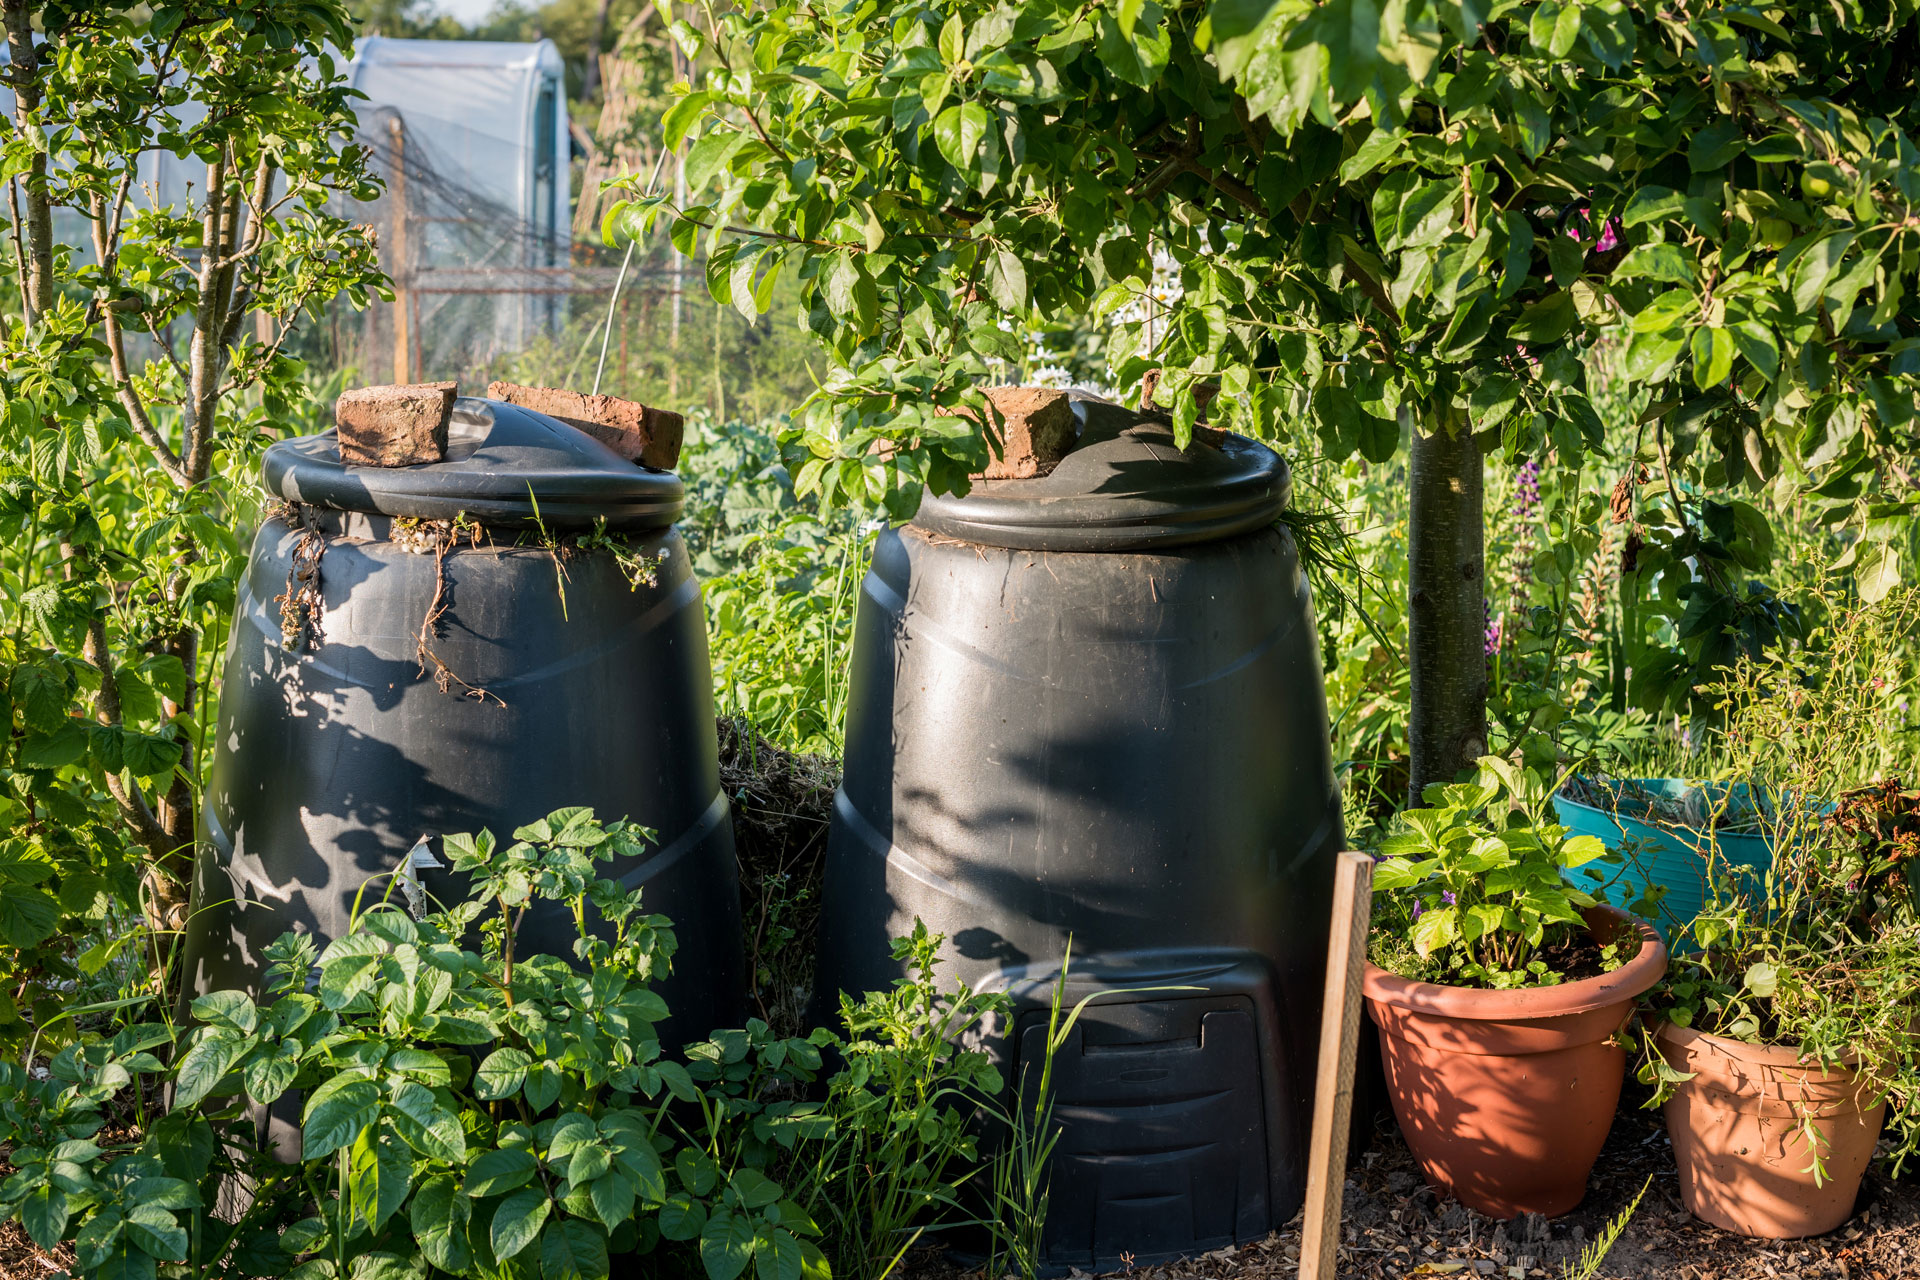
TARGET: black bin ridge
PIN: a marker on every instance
(334, 760)
(1089, 709)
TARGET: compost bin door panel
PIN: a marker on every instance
(1163, 1143)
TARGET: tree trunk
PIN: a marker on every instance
(23, 77)
(1446, 608)
(591, 79)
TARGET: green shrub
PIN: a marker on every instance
(479, 1112)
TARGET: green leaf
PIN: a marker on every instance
(959, 131)
(1755, 341)
(269, 1074)
(1712, 147)
(543, 1086)
(1379, 146)
(1762, 979)
(1493, 400)
(1437, 927)
(710, 156)
(149, 755)
(1656, 262)
(613, 1198)
(1712, 356)
(1566, 31)
(1876, 571)
(1350, 30)
(232, 1009)
(28, 916)
(206, 1064)
(517, 1221)
(1652, 204)
(65, 746)
(439, 1217)
(1545, 321)
(726, 1244)
(500, 1170)
(155, 1230)
(755, 1189)
(44, 1214)
(682, 1217)
(1006, 278)
(501, 1074)
(425, 1125)
(1140, 58)
(337, 1113)
(1580, 850)
(680, 118)
(777, 1255)
(572, 1249)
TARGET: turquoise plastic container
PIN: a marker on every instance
(1666, 853)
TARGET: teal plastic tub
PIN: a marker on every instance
(1671, 853)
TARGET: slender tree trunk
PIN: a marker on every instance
(1446, 608)
(23, 77)
(591, 79)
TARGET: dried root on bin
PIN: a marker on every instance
(303, 603)
(437, 537)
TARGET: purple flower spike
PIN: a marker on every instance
(1448, 895)
(1529, 486)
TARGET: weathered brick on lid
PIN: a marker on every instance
(1039, 431)
(637, 432)
(394, 426)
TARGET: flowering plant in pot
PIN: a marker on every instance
(1785, 1037)
(1499, 987)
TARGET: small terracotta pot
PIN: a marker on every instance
(1505, 1097)
(1736, 1129)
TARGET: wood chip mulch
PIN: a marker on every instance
(1394, 1228)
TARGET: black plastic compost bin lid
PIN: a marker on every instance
(505, 466)
(1125, 487)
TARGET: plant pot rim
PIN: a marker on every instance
(1786, 1056)
(1630, 981)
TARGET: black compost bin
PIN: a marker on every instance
(1090, 707)
(335, 756)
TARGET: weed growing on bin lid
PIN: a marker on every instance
(466, 1109)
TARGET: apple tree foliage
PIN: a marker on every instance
(1381, 212)
(145, 357)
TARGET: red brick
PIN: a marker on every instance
(1039, 431)
(394, 426)
(635, 431)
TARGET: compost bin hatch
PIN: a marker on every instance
(505, 466)
(1125, 487)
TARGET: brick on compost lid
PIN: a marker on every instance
(1039, 429)
(637, 432)
(1124, 486)
(394, 426)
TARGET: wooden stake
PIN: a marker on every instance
(1339, 1055)
(397, 258)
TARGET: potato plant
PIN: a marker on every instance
(475, 1112)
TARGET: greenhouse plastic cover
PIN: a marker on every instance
(472, 103)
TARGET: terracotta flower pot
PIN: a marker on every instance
(1736, 1129)
(1505, 1097)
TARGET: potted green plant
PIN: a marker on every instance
(1783, 1030)
(1499, 987)
(1782, 1042)
(1787, 1024)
